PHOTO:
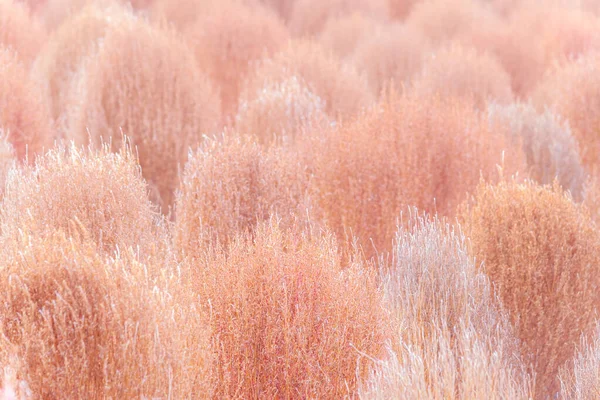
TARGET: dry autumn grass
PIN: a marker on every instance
(226, 199)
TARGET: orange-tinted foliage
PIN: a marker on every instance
(102, 192)
(310, 16)
(288, 318)
(343, 90)
(228, 39)
(542, 253)
(24, 116)
(164, 107)
(536, 36)
(231, 185)
(573, 92)
(281, 112)
(445, 20)
(394, 54)
(19, 31)
(456, 71)
(421, 151)
(64, 56)
(342, 34)
(77, 325)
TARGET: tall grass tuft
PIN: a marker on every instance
(542, 253)
(288, 318)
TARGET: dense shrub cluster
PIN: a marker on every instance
(426, 152)
(209, 198)
(541, 251)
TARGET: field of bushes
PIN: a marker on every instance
(300, 199)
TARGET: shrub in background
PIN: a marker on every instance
(164, 107)
(339, 85)
(24, 116)
(228, 39)
(549, 147)
(446, 20)
(394, 54)
(308, 17)
(341, 35)
(232, 184)
(19, 31)
(573, 92)
(280, 112)
(67, 49)
(457, 71)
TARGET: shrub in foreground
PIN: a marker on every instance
(583, 380)
(288, 318)
(542, 253)
(164, 107)
(452, 340)
(76, 325)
